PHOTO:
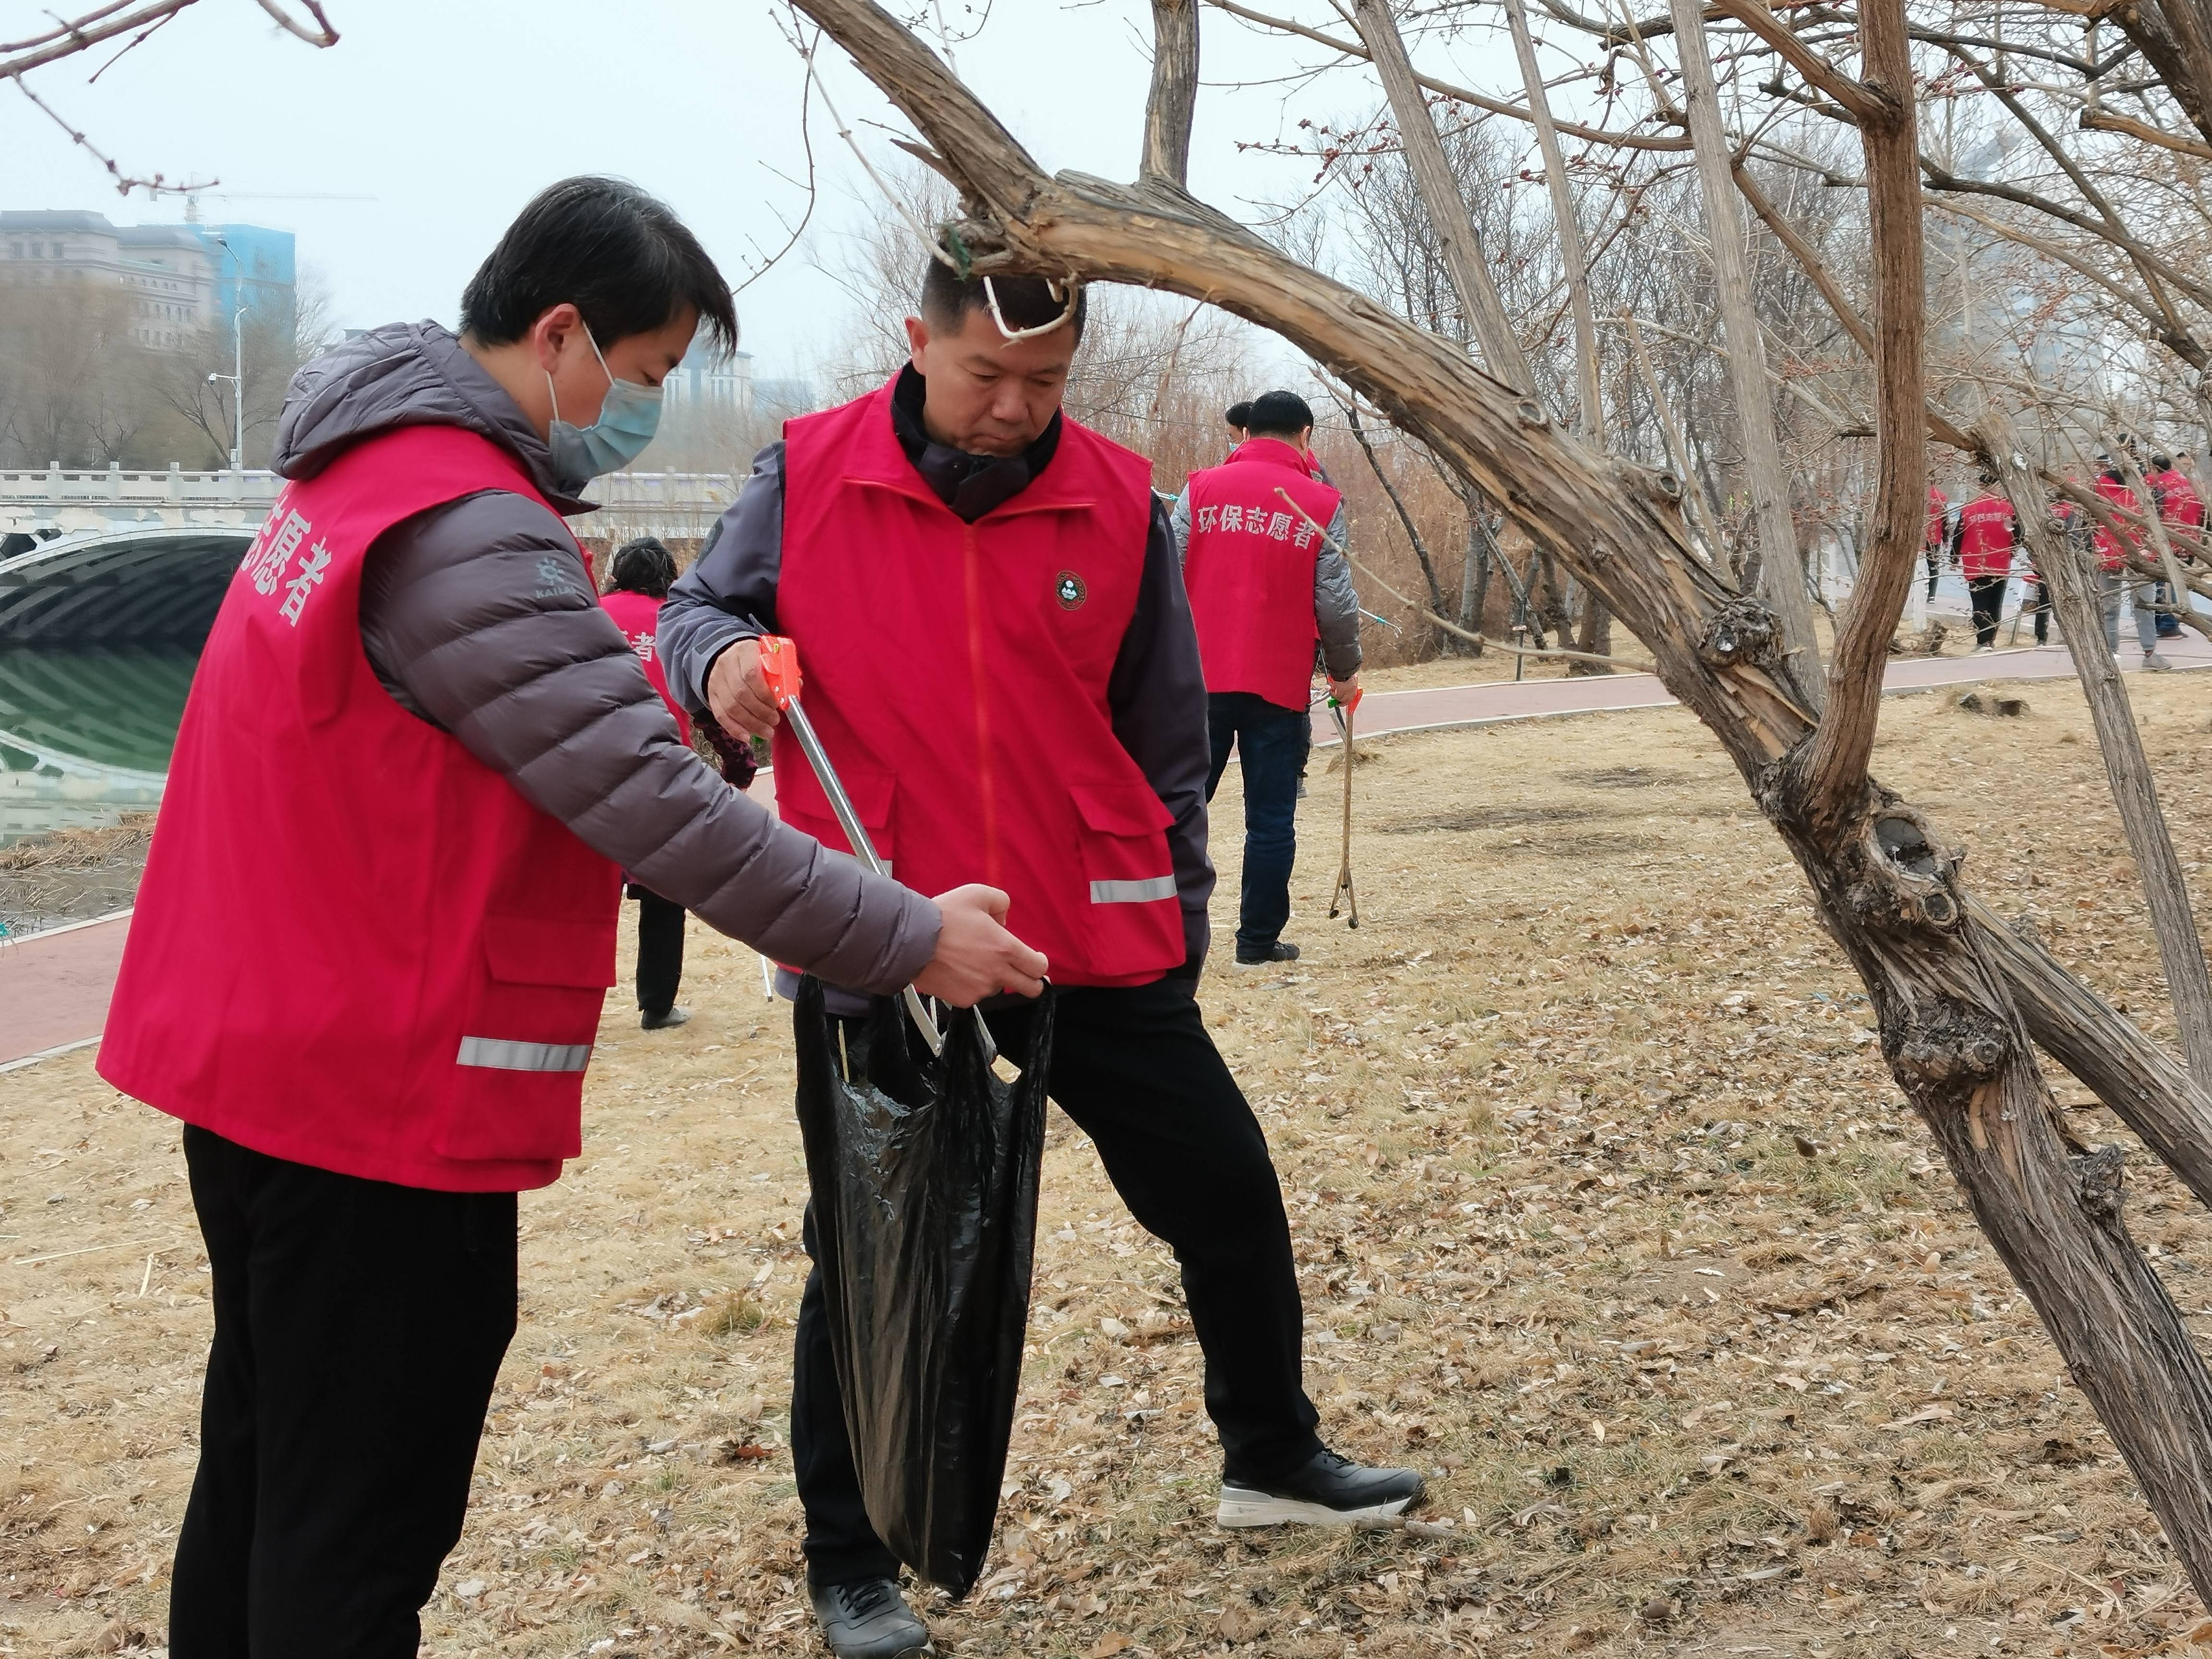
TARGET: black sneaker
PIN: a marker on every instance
(868, 1621)
(1328, 1491)
(1279, 951)
(662, 1021)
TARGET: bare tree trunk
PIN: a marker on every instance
(1595, 636)
(1698, 508)
(1439, 189)
(1781, 573)
(2134, 793)
(1474, 568)
(1590, 417)
(1173, 98)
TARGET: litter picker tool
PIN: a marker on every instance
(779, 663)
(1344, 898)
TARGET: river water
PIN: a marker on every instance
(85, 735)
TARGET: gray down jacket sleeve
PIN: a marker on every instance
(480, 618)
(1336, 606)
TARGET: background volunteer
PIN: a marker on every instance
(1000, 663)
(1264, 586)
(638, 579)
(1987, 536)
(378, 916)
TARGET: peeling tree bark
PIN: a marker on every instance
(1886, 889)
(1781, 572)
(1174, 101)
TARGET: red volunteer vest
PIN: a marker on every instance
(355, 945)
(2124, 499)
(1937, 504)
(2179, 503)
(638, 616)
(1986, 535)
(957, 675)
(1248, 567)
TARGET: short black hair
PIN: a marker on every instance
(1279, 415)
(2161, 462)
(1239, 416)
(1023, 301)
(643, 565)
(619, 255)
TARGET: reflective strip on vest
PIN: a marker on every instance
(507, 1055)
(1133, 892)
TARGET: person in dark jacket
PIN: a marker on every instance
(378, 917)
(638, 578)
(1046, 719)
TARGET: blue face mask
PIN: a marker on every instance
(628, 416)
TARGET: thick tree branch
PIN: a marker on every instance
(1836, 765)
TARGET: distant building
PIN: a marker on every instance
(181, 279)
(710, 380)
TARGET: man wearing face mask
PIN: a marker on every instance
(1000, 662)
(378, 919)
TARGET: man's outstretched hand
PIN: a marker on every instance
(976, 958)
(738, 694)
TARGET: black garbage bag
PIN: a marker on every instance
(925, 1176)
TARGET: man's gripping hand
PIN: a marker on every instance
(737, 692)
(976, 958)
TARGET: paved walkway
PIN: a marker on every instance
(54, 986)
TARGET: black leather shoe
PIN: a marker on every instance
(1328, 1491)
(868, 1621)
(1279, 951)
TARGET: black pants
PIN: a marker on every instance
(1988, 594)
(2037, 599)
(1272, 743)
(659, 950)
(1135, 1069)
(358, 1327)
(1935, 559)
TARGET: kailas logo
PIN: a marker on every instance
(1067, 587)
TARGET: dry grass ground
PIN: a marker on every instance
(1606, 1212)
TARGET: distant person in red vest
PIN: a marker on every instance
(1934, 543)
(1987, 536)
(2113, 554)
(1000, 661)
(637, 581)
(2182, 512)
(377, 923)
(1266, 585)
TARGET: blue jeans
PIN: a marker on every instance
(1270, 741)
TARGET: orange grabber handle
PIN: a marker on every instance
(779, 663)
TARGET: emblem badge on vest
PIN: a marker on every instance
(1067, 587)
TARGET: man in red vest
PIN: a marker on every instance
(1266, 585)
(1987, 536)
(2113, 554)
(378, 919)
(1000, 663)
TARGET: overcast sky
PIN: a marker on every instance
(447, 116)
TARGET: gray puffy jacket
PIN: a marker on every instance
(478, 618)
